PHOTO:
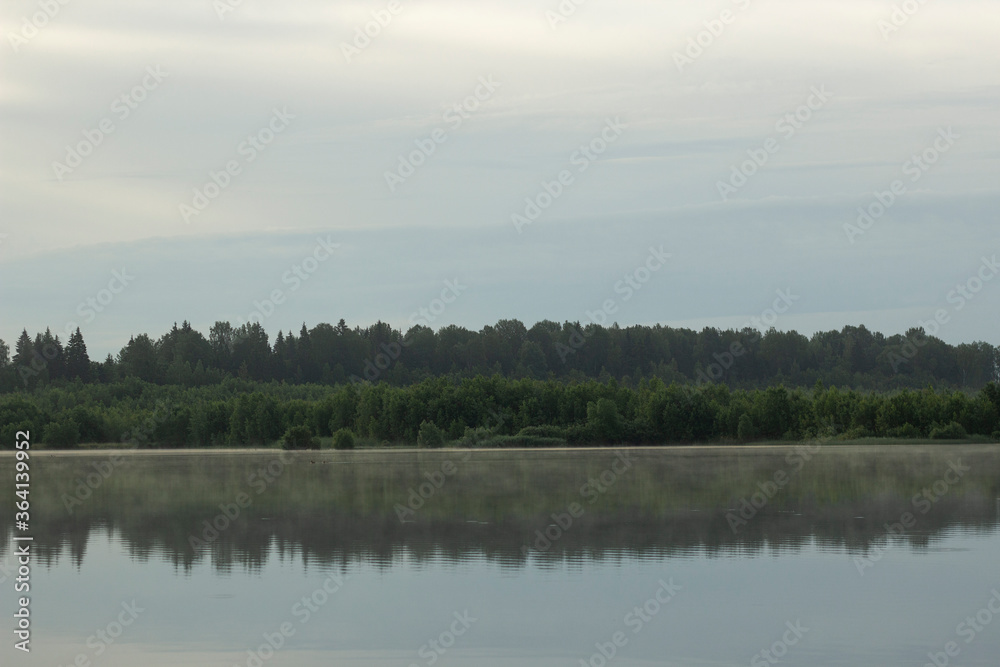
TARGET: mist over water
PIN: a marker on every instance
(694, 555)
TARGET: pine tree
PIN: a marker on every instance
(305, 367)
(77, 360)
(24, 350)
(50, 350)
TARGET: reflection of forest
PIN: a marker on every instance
(334, 508)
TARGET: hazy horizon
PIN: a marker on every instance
(220, 145)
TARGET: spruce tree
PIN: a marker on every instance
(77, 360)
(24, 350)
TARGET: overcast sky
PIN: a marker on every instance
(740, 138)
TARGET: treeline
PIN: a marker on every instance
(335, 354)
(486, 412)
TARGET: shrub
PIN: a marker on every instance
(299, 437)
(907, 430)
(996, 436)
(430, 436)
(580, 434)
(604, 420)
(476, 437)
(745, 430)
(953, 431)
(544, 431)
(63, 433)
(343, 439)
(456, 430)
(527, 441)
(858, 432)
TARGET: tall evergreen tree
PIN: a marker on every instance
(50, 350)
(24, 350)
(26, 360)
(77, 359)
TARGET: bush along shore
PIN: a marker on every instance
(482, 412)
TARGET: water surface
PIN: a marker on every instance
(536, 558)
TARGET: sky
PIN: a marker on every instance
(803, 164)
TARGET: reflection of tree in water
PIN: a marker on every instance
(340, 510)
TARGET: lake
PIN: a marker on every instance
(808, 555)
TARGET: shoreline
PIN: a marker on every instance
(674, 448)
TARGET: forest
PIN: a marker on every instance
(505, 385)
(335, 354)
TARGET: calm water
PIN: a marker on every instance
(514, 558)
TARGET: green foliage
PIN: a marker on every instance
(603, 419)
(335, 355)
(19, 414)
(950, 431)
(63, 433)
(520, 442)
(299, 437)
(745, 430)
(430, 436)
(343, 439)
(905, 431)
(486, 412)
(859, 432)
(543, 431)
(476, 438)
(90, 423)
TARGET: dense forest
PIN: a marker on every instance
(334, 354)
(485, 412)
(503, 386)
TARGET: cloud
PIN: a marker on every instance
(353, 120)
